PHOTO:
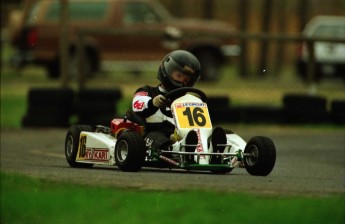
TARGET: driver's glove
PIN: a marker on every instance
(159, 101)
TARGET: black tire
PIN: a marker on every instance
(72, 144)
(90, 63)
(45, 120)
(130, 151)
(211, 63)
(218, 101)
(219, 133)
(53, 69)
(39, 96)
(338, 111)
(112, 95)
(48, 107)
(96, 106)
(301, 67)
(218, 137)
(305, 109)
(260, 114)
(264, 156)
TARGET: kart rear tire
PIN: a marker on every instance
(264, 156)
(130, 151)
(72, 145)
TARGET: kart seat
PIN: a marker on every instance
(133, 117)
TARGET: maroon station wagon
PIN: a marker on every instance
(142, 31)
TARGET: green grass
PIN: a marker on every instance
(12, 110)
(29, 200)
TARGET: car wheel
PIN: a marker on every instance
(262, 156)
(53, 69)
(90, 66)
(130, 151)
(73, 66)
(210, 65)
(302, 71)
(72, 145)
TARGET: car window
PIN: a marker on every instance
(79, 11)
(33, 12)
(330, 31)
(139, 12)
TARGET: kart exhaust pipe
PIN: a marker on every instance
(166, 159)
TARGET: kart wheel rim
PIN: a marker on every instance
(122, 151)
(69, 146)
(254, 151)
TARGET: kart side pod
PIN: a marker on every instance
(120, 125)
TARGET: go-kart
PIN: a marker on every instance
(211, 149)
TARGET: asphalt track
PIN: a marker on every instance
(309, 161)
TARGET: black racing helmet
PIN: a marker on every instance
(182, 61)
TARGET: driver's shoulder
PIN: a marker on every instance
(151, 90)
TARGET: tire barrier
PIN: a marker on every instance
(338, 111)
(248, 114)
(96, 106)
(48, 107)
(259, 114)
(300, 108)
(217, 106)
(297, 109)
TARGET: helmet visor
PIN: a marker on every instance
(182, 76)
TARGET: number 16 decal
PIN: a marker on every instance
(192, 116)
(196, 116)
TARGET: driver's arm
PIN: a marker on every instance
(142, 103)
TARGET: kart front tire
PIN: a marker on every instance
(263, 156)
(130, 151)
(72, 145)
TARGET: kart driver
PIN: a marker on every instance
(178, 69)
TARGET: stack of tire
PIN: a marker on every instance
(258, 114)
(218, 107)
(338, 111)
(222, 112)
(299, 108)
(48, 107)
(96, 106)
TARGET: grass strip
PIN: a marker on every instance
(30, 200)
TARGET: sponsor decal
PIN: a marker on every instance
(199, 147)
(191, 114)
(141, 93)
(191, 104)
(139, 105)
(148, 142)
(96, 154)
(178, 105)
(85, 153)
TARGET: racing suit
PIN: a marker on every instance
(159, 123)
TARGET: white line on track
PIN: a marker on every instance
(45, 153)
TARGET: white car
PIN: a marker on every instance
(330, 57)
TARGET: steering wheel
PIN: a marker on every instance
(176, 93)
